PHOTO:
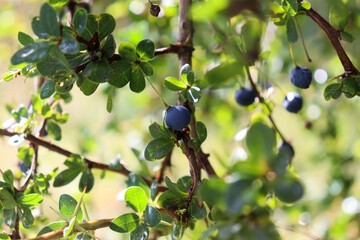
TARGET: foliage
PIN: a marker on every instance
(216, 199)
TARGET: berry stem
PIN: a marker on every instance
(302, 39)
(292, 55)
(267, 76)
(336, 77)
(163, 101)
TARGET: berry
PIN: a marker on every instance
(293, 102)
(288, 189)
(245, 96)
(301, 77)
(177, 117)
(287, 149)
(22, 166)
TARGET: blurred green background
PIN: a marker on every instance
(327, 155)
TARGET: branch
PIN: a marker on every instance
(91, 164)
(334, 37)
(89, 226)
(166, 163)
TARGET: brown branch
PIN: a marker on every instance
(166, 163)
(334, 37)
(91, 164)
(89, 226)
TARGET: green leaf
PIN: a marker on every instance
(158, 148)
(65, 81)
(201, 131)
(26, 154)
(224, 72)
(170, 199)
(152, 216)
(174, 84)
(7, 200)
(109, 46)
(288, 189)
(79, 20)
(190, 78)
(261, 140)
(87, 87)
(47, 89)
(97, 72)
(66, 176)
(140, 233)
(8, 76)
(305, 5)
(67, 206)
(137, 81)
(49, 66)
(127, 51)
(69, 227)
(158, 131)
(146, 68)
(24, 38)
(27, 219)
(33, 52)
(145, 49)
(153, 189)
(8, 177)
(212, 191)
(291, 32)
(109, 102)
(193, 94)
(125, 223)
(121, 74)
(38, 29)
(239, 194)
(116, 164)
(69, 44)
(339, 16)
(293, 7)
(333, 91)
(58, 2)
(177, 188)
(251, 34)
(195, 210)
(348, 37)
(135, 180)
(87, 180)
(104, 24)
(54, 130)
(135, 197)
(30, 199)
(350, 87)
(48, 20)
(52, 227)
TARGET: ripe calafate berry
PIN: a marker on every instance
(177, 117)
(301, 77)
(293, 102)
(286, 148)
(288, 189)
(245, 96)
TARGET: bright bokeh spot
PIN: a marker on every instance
(350, 205)
(320, 76)
(137, 7)
(313, 112)
(304, 218)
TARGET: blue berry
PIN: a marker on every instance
(287, 149)
(293, 102)
(301, 77)
(177, 117)
(245, 96)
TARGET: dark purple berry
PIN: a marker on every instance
(301, 77)
(293, 102)
(245, 96)
(177, 117)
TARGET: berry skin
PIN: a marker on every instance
(177, 117)
(293, 102)
(301, 77)
(245, 96)
(288, 189)
(286, 148)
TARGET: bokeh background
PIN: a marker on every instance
(327, 155)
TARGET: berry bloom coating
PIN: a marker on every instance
(177, 117)
(293, 102)
(245, 96)
(301, 77)
(286, 148)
